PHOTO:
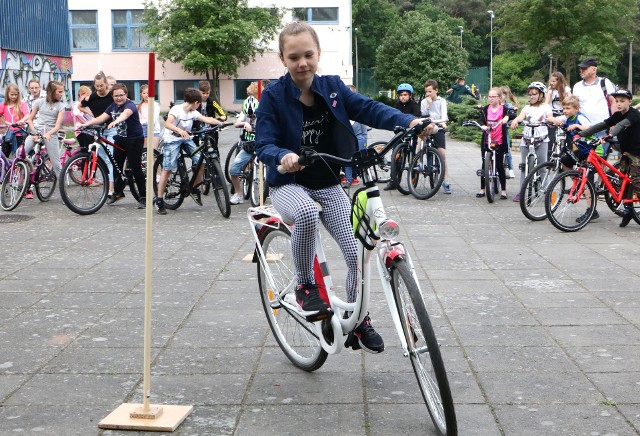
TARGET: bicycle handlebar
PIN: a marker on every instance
(362, 158)
(209, 129)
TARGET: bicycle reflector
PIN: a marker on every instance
(360, 221)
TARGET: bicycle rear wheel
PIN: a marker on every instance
(533, 190)
(427, 173)
(489, 176)
(45, 179)
(84, 198)
(173, 192)
(258, 180)
(14, 185)
(294, 334)
(219, 186)
(423, 349)
(566, 208)
(383, 169)
(246, 179)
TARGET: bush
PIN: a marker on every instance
(459, 112)
(382, 98)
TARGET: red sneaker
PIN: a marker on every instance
(29, 194)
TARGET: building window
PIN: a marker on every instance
(240, 89)
(128, 31)
(133, 88)
(83, 29)
(180, 86)
(316, 15)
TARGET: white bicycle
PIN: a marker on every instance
(308, 344)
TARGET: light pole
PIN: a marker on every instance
(492, 16)
(550, 65)
(630, 78)
(461, 31)
(357, 71)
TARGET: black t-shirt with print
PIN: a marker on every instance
(97, 104)
(317, 125)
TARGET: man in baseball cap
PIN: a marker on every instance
(588, 62)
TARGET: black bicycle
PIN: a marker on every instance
(179, 184)
(426, 171)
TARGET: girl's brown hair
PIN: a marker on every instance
(508, 95)
(296, 28)
(13, 87)
(142, 89)
(51, 89)
(562, 84)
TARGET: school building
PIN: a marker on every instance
(109, 37)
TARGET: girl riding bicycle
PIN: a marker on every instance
(537, 111)
(12, 110)
(494, 118)
(304, 110)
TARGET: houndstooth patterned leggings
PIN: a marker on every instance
(296, 203)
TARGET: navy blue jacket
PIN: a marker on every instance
(279, 120)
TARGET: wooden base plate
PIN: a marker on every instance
(167, 420)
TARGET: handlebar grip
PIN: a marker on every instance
(281, 169)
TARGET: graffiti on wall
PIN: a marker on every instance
(19, 67)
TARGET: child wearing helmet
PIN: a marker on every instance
(626, 126)
(406, 104)
(537, 111)
(247, 122)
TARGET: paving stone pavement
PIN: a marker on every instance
(540, 330)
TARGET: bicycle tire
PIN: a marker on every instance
(84, 198)
(427, 173)
(246, 179)
(400, 167)
(258, 180)
(206, 181)
(131, 182)
(533, 190)
(294, 334)
(563, 210)
(233, 152)
(489, 175)
(14, 185)
(174, 192)
(45, 179)
(418, 332)
(220, 188)
(615, 181)
(382, 171)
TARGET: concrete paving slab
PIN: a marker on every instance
(539, 329)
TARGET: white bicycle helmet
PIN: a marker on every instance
(539, 86)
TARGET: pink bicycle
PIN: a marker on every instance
(25, 171)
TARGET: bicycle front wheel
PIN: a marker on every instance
(427, 173)
(246, 179)
(277, 281)
(489, 176)
(567, 208)
(423, 349)
(14, 185)
(258, 181)
(220, 188)
(382, 170)
(400, 167)
(534, 188)
(45, 179)
(173, 192)
(86, 197)
(233, 152)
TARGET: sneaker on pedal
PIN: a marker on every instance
(626, 217)
(236, 199)
(365, 337)
(309, 300)
(159, 205)
(114, 197)
(196, 195)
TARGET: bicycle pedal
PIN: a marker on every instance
(275, 304)
(319, 316)
(480, 173)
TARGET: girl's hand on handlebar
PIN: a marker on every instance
(514, 124)
(416, 121)
(290, 163)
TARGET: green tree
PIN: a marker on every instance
(416, 49)
(209, 37)
(568, 30)
(371, 18)
(515, 69)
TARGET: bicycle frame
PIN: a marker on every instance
(387, 250)
(595, 162)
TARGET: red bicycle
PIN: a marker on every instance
(571, 198)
